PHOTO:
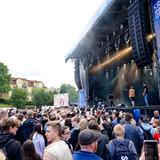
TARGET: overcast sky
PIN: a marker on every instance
(36, 35)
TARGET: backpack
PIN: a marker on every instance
(122, 150)
(3, 149)
(147, 134)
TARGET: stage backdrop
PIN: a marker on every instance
(156, 12)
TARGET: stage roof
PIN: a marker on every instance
(108, 18)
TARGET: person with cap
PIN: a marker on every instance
(88, 144)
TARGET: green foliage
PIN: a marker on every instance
(19, 97)
(5, 105)
(71, 90)
(41, 97)
(5, 79)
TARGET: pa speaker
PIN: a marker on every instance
(138, 28)
(77, 75)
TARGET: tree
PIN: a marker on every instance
(38, 97)
(41, 97)
(5, 79)
(19, 97)
(71, 90)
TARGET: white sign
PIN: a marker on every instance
(61, 100)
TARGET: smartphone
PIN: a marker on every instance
(151, 149)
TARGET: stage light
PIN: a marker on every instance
(150, 37)
(114, 58)
(121, 26)
(151, 73)
(107, 38)
(102, 43)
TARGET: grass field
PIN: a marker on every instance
(5, 105)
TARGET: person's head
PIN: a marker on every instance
(53, 131)
(65, 133)
(2, 156)
(3, 114)
(144, 119)
(83, 124)
(155, 123)
(38, 128)
(103, 117)
(93, 125)
(10, 125)
(29, 113)
(88, 140)
(29, 149)
(52, 117)
(158, 129)
(75, 121)
(131, 87)
(128, 117)
(156, 114)
(68, 123)
(62, 114)
(20, 117)
(119, 130)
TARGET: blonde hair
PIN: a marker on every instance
(2, 156)
(56, 125)
(83, 124)
(119, 130)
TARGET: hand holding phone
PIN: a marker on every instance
(151, 149)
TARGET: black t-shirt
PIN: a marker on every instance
(145, 90)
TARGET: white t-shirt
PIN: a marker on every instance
(59, 151)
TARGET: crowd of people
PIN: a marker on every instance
(70, 133)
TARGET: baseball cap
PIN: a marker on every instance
(87, 137)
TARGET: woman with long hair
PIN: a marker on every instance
(29, 152)
(38, 139)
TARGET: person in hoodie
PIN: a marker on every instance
(13, 147)
(28, 125)
(38, 139)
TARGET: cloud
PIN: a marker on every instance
(36, 35)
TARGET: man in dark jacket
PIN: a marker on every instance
(28, 125)
(13, 147)
(102, 149)
(133, 133)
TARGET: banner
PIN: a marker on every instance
(156, 13)
(61, 100)
(82, 98)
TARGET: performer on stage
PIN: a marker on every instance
(111, 100)
(145, 94)
(132, 95)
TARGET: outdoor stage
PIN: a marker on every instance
(143, 109)
(118, 49)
